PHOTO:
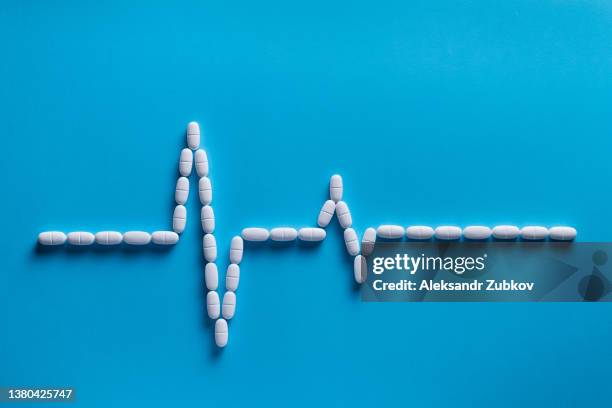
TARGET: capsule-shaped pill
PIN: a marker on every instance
(109, 238)
(534, 233)
(232, 277)
(562, 233)
(506, 232)
(209, 246)
(448, 233)
(229, 305)
(211, 276)
(326, 213)
(181, 194)
(477, 232)
(360, 268)
(236, 250)
(344, 215)
(255, 234)
(207, 217)
(164, 237)
(419, 232)
(390, 231)
(351, 241)
(136, 238)
(311, 234)
(185, 162)
(51, 238)
(205, 191)
(283, 234)
(335, 188)
(179, 219)
(81, 238)
(213, 305)
(201, 163)
(368, 241)
(221, 333)
(193, 135)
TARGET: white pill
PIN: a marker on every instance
(186, 162)
(232, 277)
(368, 241)
(534, 233)
(209, 246)
(181, 194)
(201, 163)
(164, 237)
(562, 233)
(344, 215)
(179, 219)
(351, 241)
(326, 213)
(312, 234)
(335, 188)
(477, 232)
(211, 276)
(283, 234)
(81, 238)
(205, 191)
(236, 250)
(255, 234)
(390, 231)
(448, 233)
(221, 333)
(506, 232)
(207, 218)
(109, 238)
(213, 305)
(52, 238)
(360, 268)
(229, 305)
(136, 238)
(419, 232)
(193, 135)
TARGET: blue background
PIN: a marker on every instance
(434, 112)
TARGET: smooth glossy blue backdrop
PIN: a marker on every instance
(433, 111)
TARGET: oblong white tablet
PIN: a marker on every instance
(221, 333)
(193, 135)
(209, 247)
(335, 188)
(534, 233)
(390, 231)
(207, 218)
(201, 163)
(109, 238)
(562, 233)
(181, 194)
(419, 232)
(136, 238)
(80, 238)
(283, 234)
(232, 277)
(236, 250)
(351, 241)
(229, 305)
(211, 276)
(213, 305)
(360, 268)
(477, 232)
(255, 234)
(448, 233)
(368, 241)
(326, 213)
(52, 238)
(312, 234)
(205, 191)
(185, 162)
(164, 237)
(506, 232)
(344, 215)
(179, 219)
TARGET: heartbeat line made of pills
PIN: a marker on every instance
(222, 311)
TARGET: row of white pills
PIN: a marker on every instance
(283, 234)
(84, 238)
(477, 232)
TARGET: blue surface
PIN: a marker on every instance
(434, 112)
